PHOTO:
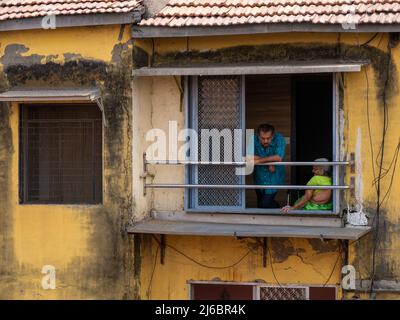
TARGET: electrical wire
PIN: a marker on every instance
(369, 127)
(272, 267)
(369, 41)
(334, 266)
(380, 155)
(148, 293)
(390, 165)
(200, 263)
(327, 280)
(380, 40)
(224, 267)
(394, 160)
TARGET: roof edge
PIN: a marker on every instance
(199, 31)
(66, 21)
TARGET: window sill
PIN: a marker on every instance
(75, 206)
(251, 218)
(266, 212)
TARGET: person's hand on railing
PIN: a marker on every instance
(253, 160)
(286, 209)
(271, 169)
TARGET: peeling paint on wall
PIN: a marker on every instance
(100, 260)
(7, 254)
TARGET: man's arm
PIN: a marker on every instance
(280, 152)
(274, 158)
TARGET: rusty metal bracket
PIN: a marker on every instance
(162, 249)
(352, 187)
(352, 162)
(145, 173)
(265, 252)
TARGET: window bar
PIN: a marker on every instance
(282, 163)
(237, 186)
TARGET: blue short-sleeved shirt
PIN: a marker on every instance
(262, 176)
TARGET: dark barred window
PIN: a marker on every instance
(60, 154)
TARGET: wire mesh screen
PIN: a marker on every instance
(283, 293)
(219, 108)
(61, 154)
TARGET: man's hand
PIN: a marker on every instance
(271, 169)
(253, 159)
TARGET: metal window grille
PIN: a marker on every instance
(61, 154)
(283, 293)
(218, 107)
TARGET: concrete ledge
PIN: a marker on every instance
(154, 226)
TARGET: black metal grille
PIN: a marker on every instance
(283, 293)
(61, 154)
(219, 107)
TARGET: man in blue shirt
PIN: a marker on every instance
(269, 146)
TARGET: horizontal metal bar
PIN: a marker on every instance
(282, 163)
(236, 186)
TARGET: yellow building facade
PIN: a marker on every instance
(292, 261)
(95, 249)
(85, 244)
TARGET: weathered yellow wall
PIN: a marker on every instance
(306, 261)
(295, 261)
(358, 137)
(87, 245)
(96, 42)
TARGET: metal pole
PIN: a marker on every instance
(282, 163)
(233, 186)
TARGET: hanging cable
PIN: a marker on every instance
(200, 263)
(380, 156)
(334, 266)
(370, 40)
(272, 267)
(369, 127)
(148, 292)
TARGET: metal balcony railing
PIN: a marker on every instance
(241, 186)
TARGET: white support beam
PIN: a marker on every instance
(245, 69)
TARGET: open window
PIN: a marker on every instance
(300, 107)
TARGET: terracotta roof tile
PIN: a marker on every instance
(180, 13)
(19, 9)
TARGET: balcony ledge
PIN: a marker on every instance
(186, 228)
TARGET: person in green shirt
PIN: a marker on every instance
(315, 199)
